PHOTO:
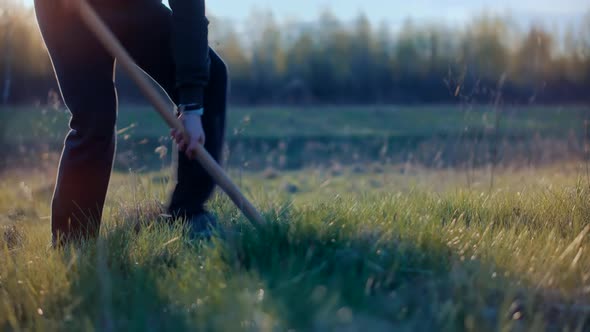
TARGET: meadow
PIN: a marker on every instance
(372, 245)
(293, 137)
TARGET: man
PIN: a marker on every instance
(172, 47)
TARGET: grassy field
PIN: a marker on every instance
(298, 137)
(344, 250)
(365, 245)
(26, 124)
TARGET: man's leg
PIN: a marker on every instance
(194, 186)
(85, 74)
(154, 55)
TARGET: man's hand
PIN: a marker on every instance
(194, 129)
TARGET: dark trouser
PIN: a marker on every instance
(85, 74)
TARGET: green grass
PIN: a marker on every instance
(346, 250)
(296, 137)
(30, 125)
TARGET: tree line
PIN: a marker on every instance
(329, 61)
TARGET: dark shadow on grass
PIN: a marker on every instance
(325, 279)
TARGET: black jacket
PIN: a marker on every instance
(191, 48)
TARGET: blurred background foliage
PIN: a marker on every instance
(330, 61)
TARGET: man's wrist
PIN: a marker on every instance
(191, 109)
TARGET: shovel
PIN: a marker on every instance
(162, 106)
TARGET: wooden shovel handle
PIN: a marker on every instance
(112, 44)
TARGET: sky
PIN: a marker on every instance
(395, 9)
(392, 11)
